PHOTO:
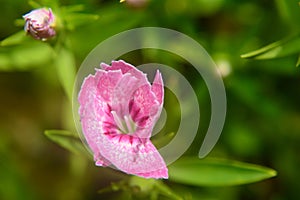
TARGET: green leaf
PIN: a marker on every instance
(290, 12)
(54, 4)
(161, 140)
(75, 20)
(73, 8)
(217, 172)
(15, 39)
(67, 140)
(145, 185)
(164, 190)
(66, 69)
(141, 188)
(277, 49)
(34, 4)
(25, 56)
(298, 61)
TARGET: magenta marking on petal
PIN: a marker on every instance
(142, 122)
(145, 100)
(133, 155)
(148, 108)
(134, 110)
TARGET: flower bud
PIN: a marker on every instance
(136, 3)
(40, 23)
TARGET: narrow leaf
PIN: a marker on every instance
(157, 187)
(289, 12)
(166, 191)
(14, 39)
(277, 49)
(217, 172)
(74, 20)
(66, 69)
(25, 56)
(114, 187)
(34, 4)
(67, 140)
(73, 8)
(298, 62)
(50, 3)
(161, 140)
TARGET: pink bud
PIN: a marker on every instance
(40, 23)
(137, 3)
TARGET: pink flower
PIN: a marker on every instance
(118, 110)
(40, 23)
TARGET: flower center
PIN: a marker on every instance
(125, 125)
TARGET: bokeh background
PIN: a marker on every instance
(263, 113)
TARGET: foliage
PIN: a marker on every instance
(262, 125)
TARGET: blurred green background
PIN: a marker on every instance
(263, 113)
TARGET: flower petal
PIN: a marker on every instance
(125, 68)
(101, 161)
(122, 93)
(93, 111)
(133, 155)
(106, 83)
(162, 173)
(87, 112)
(144, 109)
(158, 87)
